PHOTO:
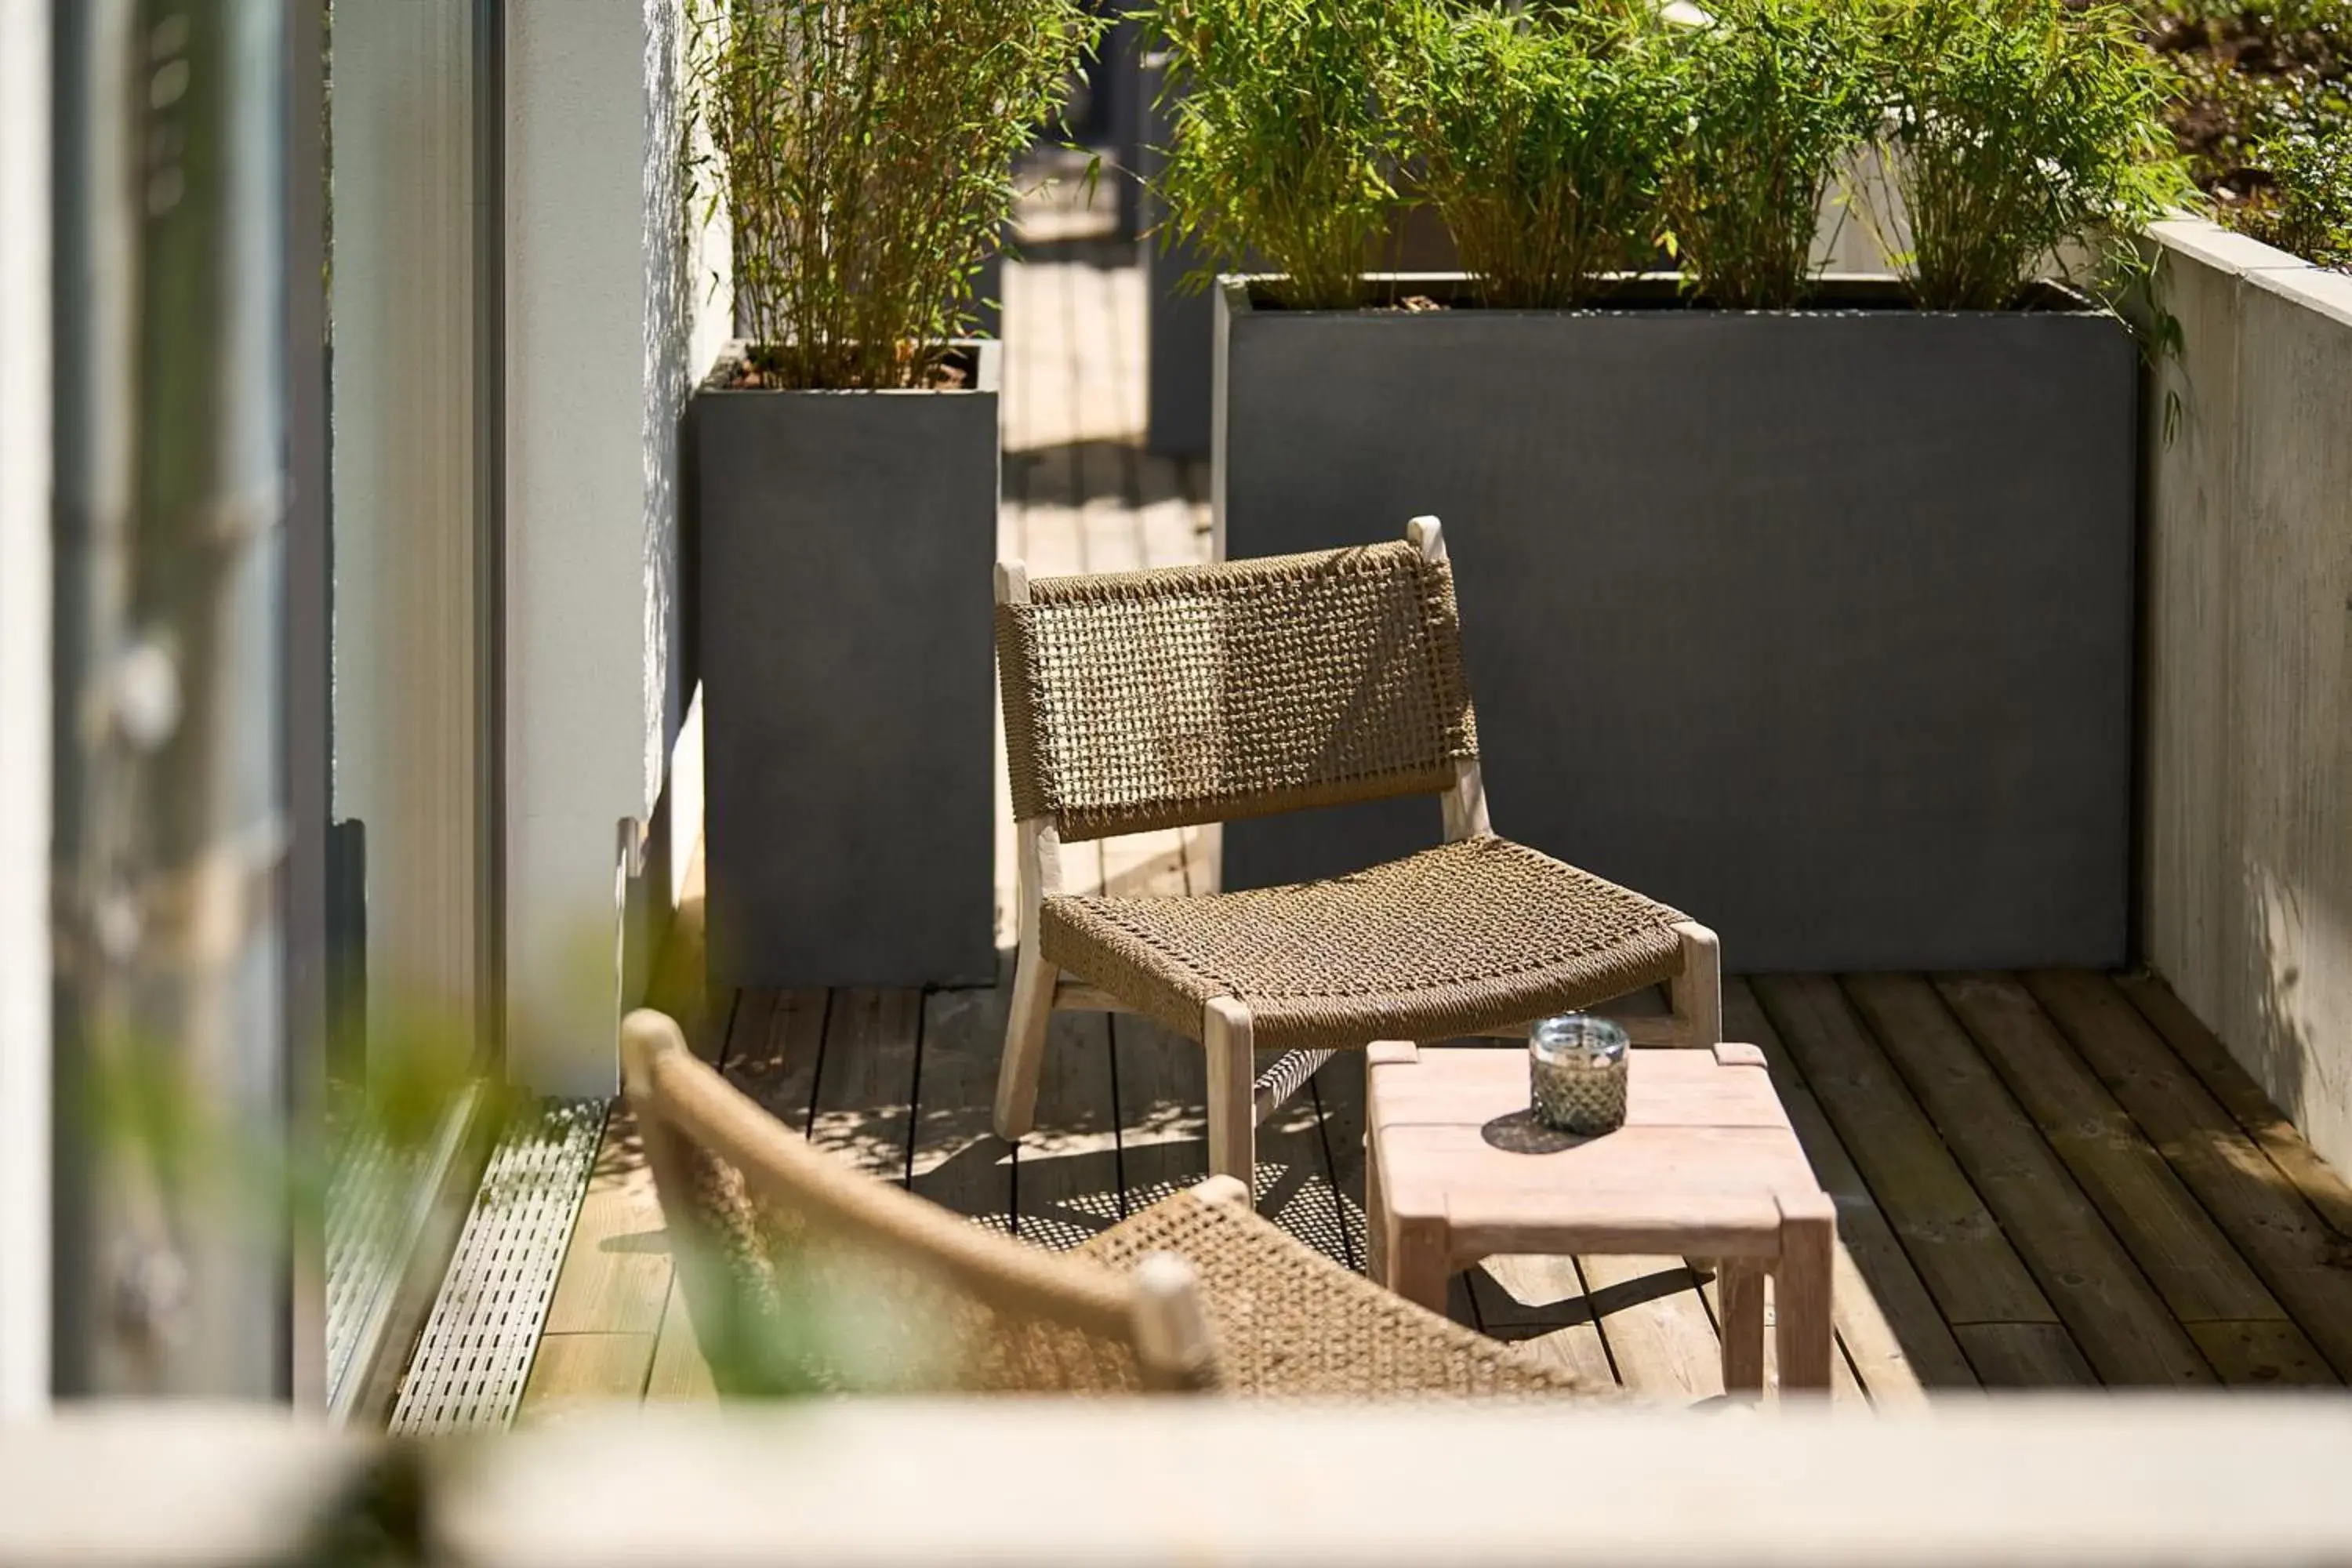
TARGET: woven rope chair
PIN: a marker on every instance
(1154, 700)
(1197, 1293)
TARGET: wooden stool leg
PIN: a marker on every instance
(1379, 1054)
(1739, 1283)
(1801, 1332)
(1226, 1035)
(1417, 1260)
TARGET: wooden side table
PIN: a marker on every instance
(1706, 1167)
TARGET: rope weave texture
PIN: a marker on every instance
(1291, 1324)
(1148, 700)
(1479, 934)
(784, 1301)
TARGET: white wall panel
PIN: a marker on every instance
(25, 446)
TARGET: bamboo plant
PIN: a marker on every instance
(1544, 144)
(2018, 128)
(863, 151)
(1780, 96)
(1284, 149)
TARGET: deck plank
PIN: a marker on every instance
(1886, 1320)
(1951, 1237)
(2115, 1315)
(2200, 1274)
(1338, 1091)
(1540, 1303)
(864, 1106)
(959, 1161)
(2025, 1355)
(573, 1374)
(1163, 1139)
(1296, 1186)
(1163, 1094)
(773, 1051)
(1106, 432)
(1053, 541)
(1066, 1174)
(1021, 362)
(2264, 1355)
(616, 1268)
(679, 1375)
(2321, 1185)
(2297, 1254)
(1846, 1384)
(1660, 1336)
(745, 1015)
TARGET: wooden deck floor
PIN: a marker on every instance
(2044, 1180)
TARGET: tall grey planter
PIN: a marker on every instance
(1179, 323)
(1818, 625)
(844, 542)
(1119, 66)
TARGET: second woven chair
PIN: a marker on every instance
(1152, 699)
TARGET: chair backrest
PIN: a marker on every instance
(803, 1274)
(1148, 700)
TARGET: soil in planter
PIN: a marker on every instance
(1664, 291)
(956, 371)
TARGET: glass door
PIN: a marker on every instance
(412, 913)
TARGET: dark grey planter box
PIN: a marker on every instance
(1818, 625)
(1179, 323)
(845, 543)
(1119, 67)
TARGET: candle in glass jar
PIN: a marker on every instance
(1576, 1073)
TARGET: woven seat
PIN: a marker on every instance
(1467, 937)
(1142, 700)
(802, 1274)
(1290, 1323)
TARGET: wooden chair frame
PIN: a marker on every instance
(1239, 1096)
(682, 1103)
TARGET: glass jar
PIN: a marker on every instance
(1576, 1073)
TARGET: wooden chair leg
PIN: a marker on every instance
(1024, 1045)
(1227, 1035)
(1696, 994)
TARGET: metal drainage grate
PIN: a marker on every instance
(378, 1200)
(470, 1362)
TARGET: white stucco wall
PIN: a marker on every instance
(2248, 852)
(610, 317)
(23, 707)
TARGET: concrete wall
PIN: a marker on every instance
(23, 707)
(611, 315)
(2247, 854)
